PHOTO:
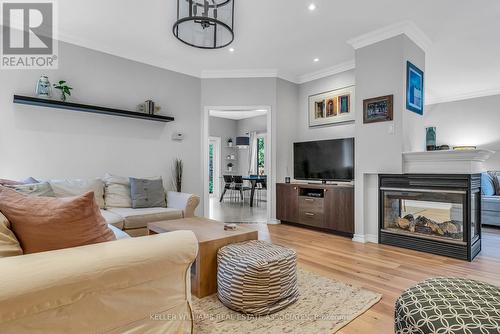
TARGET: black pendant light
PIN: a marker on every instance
(206, 24)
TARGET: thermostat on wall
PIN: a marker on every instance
(178, 136)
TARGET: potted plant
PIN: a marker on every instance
(177, 175)
(230, 142)
(230, 167)
(64, 88)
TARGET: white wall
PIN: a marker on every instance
(468, 122)
(53, 143)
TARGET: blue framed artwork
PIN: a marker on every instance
(414, 89)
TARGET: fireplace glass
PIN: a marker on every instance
(431, 214)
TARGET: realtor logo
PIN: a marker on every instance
(28, 35)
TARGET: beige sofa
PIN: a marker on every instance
(113, 196)
(133, 285)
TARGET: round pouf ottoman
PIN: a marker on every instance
(449, 305)
(257, 277)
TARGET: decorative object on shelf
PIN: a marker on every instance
(149, 107)
(230, 167)
(177, 177)
(332, 107)
(43, 88)
(464, 148)
(230, 142)
(414, 89)
(242, 141)
(378, 109)
(443, 148)
(64, 88)
(430, 138)
(287, 179)
(205, 24)
(41, 102)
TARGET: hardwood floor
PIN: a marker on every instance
(384, 269)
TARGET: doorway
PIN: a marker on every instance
(214, 162)
(245, 162)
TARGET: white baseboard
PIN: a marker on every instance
(273, 221)
(364, 238)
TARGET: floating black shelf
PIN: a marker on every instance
(34, 101)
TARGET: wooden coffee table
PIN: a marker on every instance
(211, 236)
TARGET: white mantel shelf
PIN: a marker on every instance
(446, 162)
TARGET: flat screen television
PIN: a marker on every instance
(326, 160)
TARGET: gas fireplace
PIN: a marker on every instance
(439, 214)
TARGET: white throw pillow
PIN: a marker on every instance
(117, 191)
(76, 187)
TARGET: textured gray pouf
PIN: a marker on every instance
(257, 277)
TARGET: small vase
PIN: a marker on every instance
(430, 138)
(63, 97)
(43, 88)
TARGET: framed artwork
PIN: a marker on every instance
(332, 107)
(378, 109)
(414, 89)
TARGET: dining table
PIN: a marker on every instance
(254, 180)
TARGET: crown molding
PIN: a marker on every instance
(226, 74)
(342, 67)
(464, 96)
(407, 28)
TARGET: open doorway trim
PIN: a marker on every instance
(270, 154)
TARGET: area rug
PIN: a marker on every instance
(324, 306)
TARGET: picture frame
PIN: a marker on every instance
(414, 89)
(378, 109)
(336, 106)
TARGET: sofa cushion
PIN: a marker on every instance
(6, 182)
(113, 219)
(139, 218)
(9, 245)
(117, 192)
(44, 223)
(76, 187)
(119, 234)
(147, 193)
(35, 189)
(490, 203)
(487, 184)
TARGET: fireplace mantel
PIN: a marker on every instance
(448, 162)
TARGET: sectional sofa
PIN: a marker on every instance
(490, 203)
(112, 193)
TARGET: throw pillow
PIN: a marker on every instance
(30, 180)
(75, 187)
(487, 184)
(35, 189)
(44, 223)
(117, 192)
(5, 182)
(9, 246)
(147, 193)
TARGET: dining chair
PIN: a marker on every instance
(228, 182)
(238, 185)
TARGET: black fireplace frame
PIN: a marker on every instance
(470, 183)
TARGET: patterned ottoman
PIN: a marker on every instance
(449, 305)
(256, 277)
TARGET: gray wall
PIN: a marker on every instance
(468, 122)
(53, 143)
(333, 82)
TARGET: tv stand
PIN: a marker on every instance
(327, 207)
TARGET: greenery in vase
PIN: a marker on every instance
(178, 167)
(64, 88)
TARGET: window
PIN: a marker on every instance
(261, 154)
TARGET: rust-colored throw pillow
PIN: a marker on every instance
(45, 223)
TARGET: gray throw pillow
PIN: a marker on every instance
(147, 193)
(42, 189)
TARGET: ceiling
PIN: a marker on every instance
(283, 37)
(237, 114)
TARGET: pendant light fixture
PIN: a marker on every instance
(206, 24)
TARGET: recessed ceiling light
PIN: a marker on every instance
(231, 49)
(312, 7)
(315, 60)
